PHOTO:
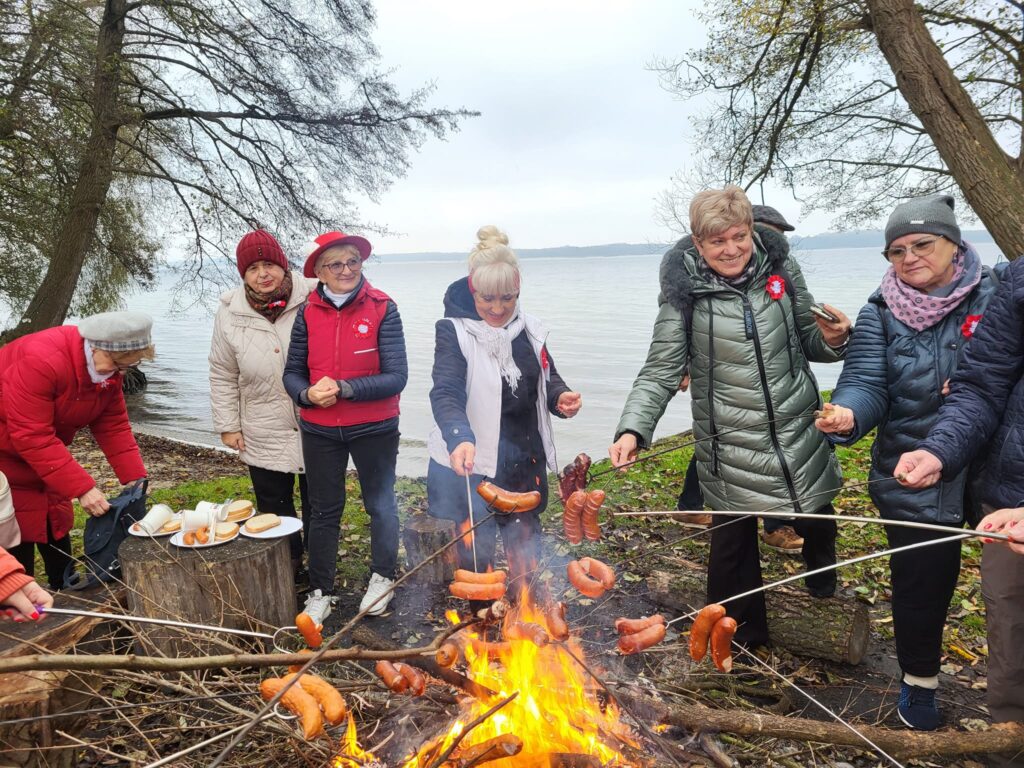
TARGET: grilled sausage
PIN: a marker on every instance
(468, 591)
(472, 577)
(298, 702)
(598, 570)
(572, 514)
(585, 583)
(591, 527)
(326, 695)
(626, 626)
(721, 643)
(700, 632)
(527, 630)
(507, 501)
(392, 676)
(417, 684)
(645, 638)
(447, 654)
(558, 627)
(310, 631)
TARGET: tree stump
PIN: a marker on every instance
(244, 584)
(423, 535)
(834, 628)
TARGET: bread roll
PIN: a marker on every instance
(172, 527)
(225, 531)
(239, 509)
(262, 523)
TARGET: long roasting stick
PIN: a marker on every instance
(816, 516)
(840, 564)
(694, 441)
(472, 524)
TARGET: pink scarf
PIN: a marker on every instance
(920, 310)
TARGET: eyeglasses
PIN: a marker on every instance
(337, 268)
(920, 248)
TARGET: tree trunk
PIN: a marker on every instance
(835, 628)
(52, 300)
(986, 175)
(244, 584)
(423, 535)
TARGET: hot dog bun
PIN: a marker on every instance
(239, 509)
(225, 531)
(262, 523)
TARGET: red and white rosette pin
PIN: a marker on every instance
(362, 327)
(970, 325)
(776, 287)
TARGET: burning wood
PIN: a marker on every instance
(497, 748)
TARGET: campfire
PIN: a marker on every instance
(558, 713)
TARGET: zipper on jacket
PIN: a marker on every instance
(711, 388)
(773, 434)
(789, 348)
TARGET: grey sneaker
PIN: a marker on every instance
(378, 595)
(318, 606)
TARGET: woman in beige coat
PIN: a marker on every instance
(251, 410)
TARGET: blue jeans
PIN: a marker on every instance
(326, 457)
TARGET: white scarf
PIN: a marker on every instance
(90, 364)
(498, 343)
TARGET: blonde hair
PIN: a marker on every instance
(344, 248)
(713, 211)
(493, 266)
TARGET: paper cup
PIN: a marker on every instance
(194, 519)
(156, 518)
(219, 511)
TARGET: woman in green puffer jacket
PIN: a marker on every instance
(748, 354)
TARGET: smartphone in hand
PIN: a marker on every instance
(823, 313)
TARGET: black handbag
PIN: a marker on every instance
(103, 535)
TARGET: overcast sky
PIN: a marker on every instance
(576, 139)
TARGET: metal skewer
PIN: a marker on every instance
(834, 566)
(171, 623)
(817, 516)
(472, 523)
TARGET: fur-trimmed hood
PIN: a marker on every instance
(681, 279)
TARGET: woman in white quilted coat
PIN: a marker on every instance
(251, 410)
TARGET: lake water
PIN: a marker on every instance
(599, 311)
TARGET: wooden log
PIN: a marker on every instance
(834, 628)
(423, 535)
(243, 584)
(29, 696)
(900, 743)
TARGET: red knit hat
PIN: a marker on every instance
(259, 246)
(329, 239)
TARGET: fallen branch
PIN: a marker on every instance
(439, 760)
(1005, 737)
(82, 662)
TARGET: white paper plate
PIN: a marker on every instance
(252, 511)
(288, 526)
(178, 540)
(135, 530)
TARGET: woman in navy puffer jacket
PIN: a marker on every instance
(985, 413)
(908, 339)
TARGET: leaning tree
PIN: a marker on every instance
(853, 105)
(128, 124)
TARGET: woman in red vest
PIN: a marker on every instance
(346, 367)
(52, 384)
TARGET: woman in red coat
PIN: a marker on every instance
(52, 384)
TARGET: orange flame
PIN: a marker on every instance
(556, 710)
(352, 755)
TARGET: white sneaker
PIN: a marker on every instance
(318, 606)
(378, 586)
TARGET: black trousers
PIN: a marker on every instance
(923, 581)
(56, 556)
(734, 567)
(275, 493)
(520, 532)
(326, 460)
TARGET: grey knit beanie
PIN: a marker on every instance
(932, 214)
